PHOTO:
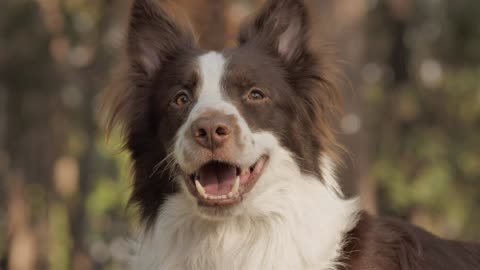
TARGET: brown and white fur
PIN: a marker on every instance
(260, 111)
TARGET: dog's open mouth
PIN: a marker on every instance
(222, 184)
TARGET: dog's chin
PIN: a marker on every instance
(218, 187)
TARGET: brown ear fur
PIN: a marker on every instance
(154, 35)
(281, 27)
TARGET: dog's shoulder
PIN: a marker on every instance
(386, 243)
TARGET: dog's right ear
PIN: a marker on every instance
(281, 27)
(154, 36)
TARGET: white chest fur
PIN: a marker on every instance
(296, 223)
(305, 235)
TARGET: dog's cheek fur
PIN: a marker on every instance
(152, 145)
(136, 100)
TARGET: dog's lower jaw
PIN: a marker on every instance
(289, 221)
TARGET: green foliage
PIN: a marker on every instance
(105, 197)
(429, 153)
(60, 243)
(427, 126)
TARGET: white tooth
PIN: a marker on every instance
(223, 197)
(244, 172)
(236, 185)
(230, 195)
(200, 189)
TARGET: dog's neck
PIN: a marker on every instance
(298, 223)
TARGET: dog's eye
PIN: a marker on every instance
(256, 94)
(181, 99)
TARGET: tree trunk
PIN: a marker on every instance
(342, 23)
(209, 20)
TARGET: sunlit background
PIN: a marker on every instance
(411, 122)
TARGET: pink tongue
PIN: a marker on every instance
(217, 178)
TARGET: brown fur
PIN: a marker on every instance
(383, 243)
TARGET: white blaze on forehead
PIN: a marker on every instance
(211, 67)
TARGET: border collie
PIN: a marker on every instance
(234, 155)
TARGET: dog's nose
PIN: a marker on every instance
(211, 131)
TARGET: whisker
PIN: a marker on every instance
(159, 164)
(170, 166)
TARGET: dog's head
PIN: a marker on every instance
(221, 127)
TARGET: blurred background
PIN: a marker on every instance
(411, 122)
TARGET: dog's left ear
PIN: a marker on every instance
(281, 27)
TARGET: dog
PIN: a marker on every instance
(234, 154)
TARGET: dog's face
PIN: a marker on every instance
(213, 125)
